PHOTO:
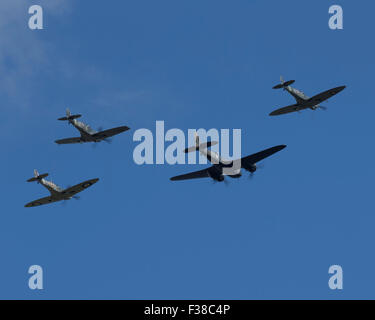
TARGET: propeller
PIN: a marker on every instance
(258, 166)
(318, 107)
(64, 202)
(226, 182)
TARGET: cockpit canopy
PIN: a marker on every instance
(85, 127)
(53, 185)
(301, 93)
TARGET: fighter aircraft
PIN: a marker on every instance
(303, 101)
(57, 193)
(87, 133)
(217, 172)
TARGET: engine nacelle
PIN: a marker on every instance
(251, 168)
(236, 176)
(219, 178)
(216, 175)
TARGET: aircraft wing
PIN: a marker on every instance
(256, 157)
(325, 95)
(79, 187)
(110, 132)
(288, 109)
(41, 202)
(69, 140)
(193, 175)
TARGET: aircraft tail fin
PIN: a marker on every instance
(69, 116)
(283, 84)
(37, 176)
(196, 140)
(199, 145)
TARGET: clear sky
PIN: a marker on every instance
(193, 64)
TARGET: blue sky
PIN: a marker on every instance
(193, 64)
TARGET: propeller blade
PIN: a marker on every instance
(260, 166)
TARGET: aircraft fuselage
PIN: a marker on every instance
(54, 189)
(301, 98)
(221, 163)
(85, 130)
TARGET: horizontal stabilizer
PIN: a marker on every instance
(284, 84)
(74, 116)
(201, 146)
(39, 177)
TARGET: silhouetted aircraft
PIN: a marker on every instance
(303, 101)
(87, 133)
(222, 167)
(57, 193)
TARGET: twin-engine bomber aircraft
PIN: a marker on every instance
(57, 193)
(217, 172)
(87, 133)
(303, 101)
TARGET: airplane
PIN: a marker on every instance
(87, 133)
(303, 101)
(57, 193)
(216, 172)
